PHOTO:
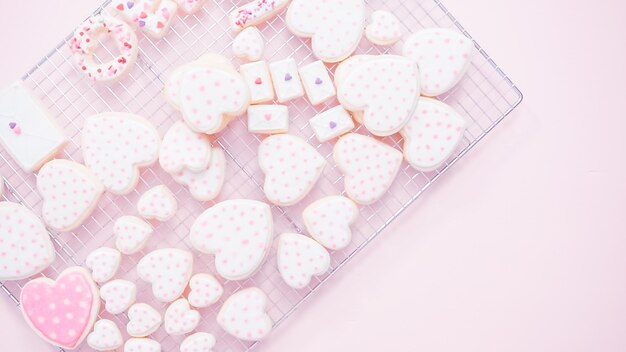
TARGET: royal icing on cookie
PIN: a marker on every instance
(86, 40)
(190, 6)
(255, 12)
(103, 263)
(291, 166)
(106, 336)
(61, 311)
(443, 56)
(116, 145)
(286, 80)
(432, 135)
(205, 185)
(153, 17)
(386, 89)
(384, 28)
(205, 290)
(131, 234)
(369, 167)
(331, 124)
(27, 131)
(25, 247)
(328, 221)
(257, 76)
(70, 193)
(180, 319)
(243, 315)
(346, 67)
(300, 258)
(336, 27)
(143, 320)
(158, 203)
(317, 83)
(142, 345)
(168, 270)
(198, 342)
(238, 232)
(118, 295)
(268, 119)
(183, 149)
(249, 44)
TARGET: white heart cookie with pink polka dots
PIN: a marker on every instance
(243, 315)
(168, 270)
(386, 89)
(198, 342)
(292, 167)
(115, 145)
(143, 320)
(61, 311)
(70, 193)
(300, 258)
(205, 185)
(249, 44)
(190, 6)
(443, 56)
(106, 336)
(238, 232)
(25, 247)
(328, 221)
(142, 345)
(432, 135)
(384, 28)
(335, 27)
(180, 319)
(369, 167)
(205, 290)
(118, 295)
(103, 263)
(158, 203)
(131, 234)
(184, 149)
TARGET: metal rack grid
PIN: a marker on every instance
(485, 96)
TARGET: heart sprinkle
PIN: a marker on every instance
(130, 5)
(142, 24)
(12, 125)
(120, 7)
(332, 125)
(17, 130)
(268, 117)
(258, 81)
(318, 81)
(288, 77)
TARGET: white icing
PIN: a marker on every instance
(143, 320)
(158, 203)
(168, 270)
(317, 83)
(268, 119)
(243, 315)
(249, 44)
(106, 336)
(255, 12)
(331, 124)
(257, 76)
(328, 221)
(152, 17)
(286, 80)
(205, 185)
(103, 263)
(180, 319)
(205, 290)
(142, 345)
(118, 295)
(131, 234)
(183, 149)
(384, 28)
(299, 259)
(190, 6)
(198, 342)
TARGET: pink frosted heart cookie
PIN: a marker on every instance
(106, 336)
(150, 16)
(131, 234)
(118, 295)
(25, 247)
(238, 232)
(249, 44)
(255, 12)
(328, 221)
(300, 258)
(190, 6)
(384, 28)
(61, 311)
(243, 315)
(183, 149)
(142, 345)
(205, 185)
(143, 320)
(198, 342)
(292, 167)
(168, 270)
(103, 263)
(180, 319)
(205, 290)
(158, 203)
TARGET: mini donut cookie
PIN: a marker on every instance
(103, 263)
(369, 167)
(335, 27)
(286, 80)
(106, 336)
(151, 17)
(205, 290)
(70, 193)
(317, 83)
(118, 295)
(328, 221)
(158, 203)
(61, 311)
(300, 258)
(249, 222)
(190, 6)
(143, 320)
(205, 185)
(255, 12)
(85, 42)
(292, 167)
(168, 270)
(384, 28)
(142, 345)
(184, 149)
(115, 145)
(180, 319)
(198, 342)
(331, 124)
(443, 56)
(249, 44)
(268, 119)
(25, 247)
(257, 76)
(131, 234)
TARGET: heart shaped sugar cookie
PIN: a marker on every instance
(131, 234)
(103, 263)
(300, 258)
(238, 232)
(384, 28)
(180, 319)
(184, 149)
(142, 345)
(106, 336)
(158, 203)
(249, 44)
(118, 295)
(243, 315)
(198, 342)
(205, 290)
(328, 221)
(168, 270)
(143, 320)
(205, 185)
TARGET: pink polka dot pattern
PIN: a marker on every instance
(168, 270)
(152, 17)
(369, 167)
(190, 6)
(335, 26)
(238, 232)
(25, 247)
(443, 57)
(131, 234)
(243, 315)
(183, 149)
(118, 295)
(205, 185)
(328, 221)
(249, 44)
(158, 203)
(142, 345)
(384, 29)
(61, 311)
(103, 263)
(180, 319)
(205, 290)
(143, 320)
(292, 167)
(386, 89)
(70, 192)
(106, 336)
(432, 135)
(198, 342)
(300, 258)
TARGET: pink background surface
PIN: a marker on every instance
(520, 248)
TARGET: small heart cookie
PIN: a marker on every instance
(184, 149)
(243, 315)
(180, 319)
(168, 270)
(143, 320)
(131, 234)
(106, 336)
(300, 258)
(142, 345)
(205, 185)
(103, 263)
(158, 203)
(249, 44)
(198, 342)
(118, 295)
(205, 290)
(328, 221)
(384, 28)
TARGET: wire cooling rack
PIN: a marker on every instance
(485, 96)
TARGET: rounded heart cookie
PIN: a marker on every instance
(142, 345)
(106, 336)
(205, 290)
(131, 234)
(180, 319)
(184, 149)
(243, 315)
(103, 263)
(249, 44)
(300, 258)
(205, 185)
(168, 270)
(143, 320)
(328, 221)
(384, 28)
(198, 342)
(118, 295)
(158, 203)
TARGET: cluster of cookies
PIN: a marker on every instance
(386, 94)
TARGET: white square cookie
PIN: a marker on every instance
(286, 80)
(317, 83)
(268, 119)
(257, 76)
(331, 124)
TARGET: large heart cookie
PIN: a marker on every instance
(70, 192)
(432, 135)
(198, 342)
(131, 234)
(249, 44)
(180, 319)
(168, 270)
(118, 295)
(291, 166)
(238, 232)
(205, 290)
(443, 56)
(143, 320)
(62, 312)
(300, 258)
(328, 221)
(103, 263)
(369, 167)
(336, 27)
(184, 149)
(243, 315)
(115, 145)
(25, 247)
(106, 336)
